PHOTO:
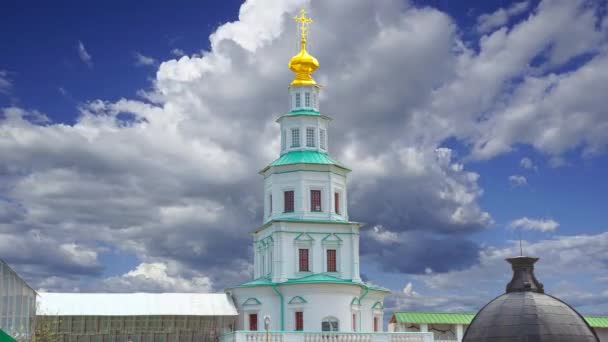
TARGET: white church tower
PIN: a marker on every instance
(306, 253)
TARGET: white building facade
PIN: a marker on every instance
(306, 253)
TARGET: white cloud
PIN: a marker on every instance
(542, 225)
(156, 277)
(173, 180)
(143, 60)
(517, 180)
(408, 290)
(488, 22)
(178, 52)
(84, 55)
(384, 236)
(527, 163)
(487, 104)
(564, 260)
(5, 83)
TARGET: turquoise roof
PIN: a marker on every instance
(301, 220)
(288, 219)
(306, 157)
(304, 112)
(319, 278)
(257, 282)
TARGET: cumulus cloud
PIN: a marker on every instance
(488, 22)
(172, 180)
(84, 55)
(561, 264)
(155, 277)
(542, 225)
(518, 180)
(141, 60)
(552, 110)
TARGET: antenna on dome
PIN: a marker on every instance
(521, 249)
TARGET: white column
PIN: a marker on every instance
(424, 327)
(278, 271)
(288, 260)
(256, 267)
(330, 196)
(301, 205)
(459, 332)
(355, 255)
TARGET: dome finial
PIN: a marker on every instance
(303, 64)
(303, 23)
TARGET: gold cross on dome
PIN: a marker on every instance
(303, 23)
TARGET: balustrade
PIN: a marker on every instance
(301, 336)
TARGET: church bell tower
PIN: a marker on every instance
(306, 252)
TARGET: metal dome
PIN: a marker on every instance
(526, 314)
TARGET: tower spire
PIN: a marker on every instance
(303, 64)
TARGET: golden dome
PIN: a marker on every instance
(303, 64)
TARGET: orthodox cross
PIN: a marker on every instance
(303, 23)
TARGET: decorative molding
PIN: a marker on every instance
(303, 239)
(297, 300)
(378, 305)
(331, 239)
(252, 301)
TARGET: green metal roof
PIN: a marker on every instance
(4, 337)
(466, 318)
(306, 157)
(319, 278)
(597, 321)
(434, 317)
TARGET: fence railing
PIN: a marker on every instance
(306, 336)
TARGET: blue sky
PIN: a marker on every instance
(126, 140)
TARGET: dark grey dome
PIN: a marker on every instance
(526, 314)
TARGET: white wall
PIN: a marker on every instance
(302, 122)
(314, 93)
(288, 237)
(322, 300)
(301, 179)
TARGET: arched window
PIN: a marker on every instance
(330, 324)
